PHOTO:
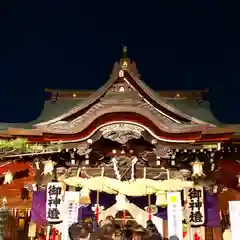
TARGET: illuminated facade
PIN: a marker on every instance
(172, 133)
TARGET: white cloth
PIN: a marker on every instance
(68, 216)
(227, 235)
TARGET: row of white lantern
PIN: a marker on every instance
(201, 150)
(197, 169)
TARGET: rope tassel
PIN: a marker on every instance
(115, 167)
(134, 161)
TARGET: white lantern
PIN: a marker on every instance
(8, 178)
(161, 199)
(73, 158)
(197, 168)
(215, 188)
(48, 167)
(34, 187)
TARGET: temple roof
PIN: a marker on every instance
(171, 111)
(52, 109)
(189, 102)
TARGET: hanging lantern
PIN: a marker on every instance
(161, 199)
(34, 187)
(8, 178)
(73, 161)
(197, 168)
(84, 197)
(173, 163)
(48, 167)
(158, 162)
(215, 188)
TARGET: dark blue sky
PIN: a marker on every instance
(67, 45)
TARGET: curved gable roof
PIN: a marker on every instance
(132, 78)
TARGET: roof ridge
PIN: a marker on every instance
(50, 90)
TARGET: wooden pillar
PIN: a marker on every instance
(165, 229)
(217, 233)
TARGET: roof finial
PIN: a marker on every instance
(124, 52)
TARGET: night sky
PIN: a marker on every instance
(177, 45)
